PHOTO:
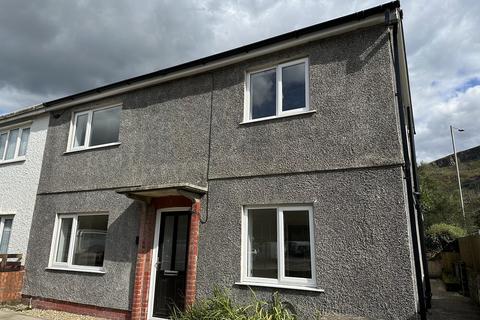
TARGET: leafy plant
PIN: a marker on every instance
(222, 307)
(440, 235)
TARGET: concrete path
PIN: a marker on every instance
(11, 315)
(448, 305)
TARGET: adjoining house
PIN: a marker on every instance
(22, 141)
(284, 165)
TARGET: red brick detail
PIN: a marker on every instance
(171, 202)
(11, 285)
(191, 285)
(144, 254)
(77, 308)
(144, 264)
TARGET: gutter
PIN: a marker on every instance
(348, 23)
(414, 226)
(23, 113)
(361, 19)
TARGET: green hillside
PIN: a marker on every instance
(440, 196)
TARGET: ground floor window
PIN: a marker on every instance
(79, 241)
(278, 245)
(5, 232)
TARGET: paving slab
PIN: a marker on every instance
(448, 305)
(12, 315)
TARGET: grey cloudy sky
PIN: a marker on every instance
(50, 49)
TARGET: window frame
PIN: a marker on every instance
(247, 114)
(53, 264)
(73, 128)
(8, 131)
(282, 280)
(2, 226)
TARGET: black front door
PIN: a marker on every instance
(171, 267)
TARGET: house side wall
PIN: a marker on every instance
(345, 159)
(361, 252)
(113, 289)
(18, 186)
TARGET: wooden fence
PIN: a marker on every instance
(470, 255)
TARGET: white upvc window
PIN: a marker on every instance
(6, 223)
(94, 128)
(278, 91)
(78, 242)
(278, 246)
(13, 144)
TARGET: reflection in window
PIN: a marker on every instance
(80, 240)
(96, 127)
(297, 244)
(279, 247)
(64, 239)
(80, 130)
(5, 233)
(278, 91)
(90, 240)
(24, 142)
(293, 87)
(263, 89)
(105, 126)
(263, 243)
(13, 143)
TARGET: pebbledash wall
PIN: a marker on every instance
(345, 159)
(19, 183)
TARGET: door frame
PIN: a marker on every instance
(153, 270)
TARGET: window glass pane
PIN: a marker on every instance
(297, 244)
(3, 143)
(262, 234)
(263, 93)
(90, 240)
(166, 247)
(80, 130)
(105, 126)
(64, 239)
(7, 230)
(181, 243)
(24, 142)
(293, 87)
(11, 144)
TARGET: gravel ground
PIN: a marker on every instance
(46, 314)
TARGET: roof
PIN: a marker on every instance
(357, 16)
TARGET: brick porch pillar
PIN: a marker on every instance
(191, 285)
(144, 262)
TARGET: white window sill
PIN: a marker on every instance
(293, 114)
(18, 159)
(94, 147)
(98, 271)
(280, 286)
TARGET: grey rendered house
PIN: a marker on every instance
(284, 165)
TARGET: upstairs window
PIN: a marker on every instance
(277, 91)
(13, 144)
(95, 128)
(278, 246)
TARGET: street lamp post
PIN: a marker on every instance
(458, 171)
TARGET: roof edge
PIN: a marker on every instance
(356, 16)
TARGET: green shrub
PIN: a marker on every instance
(221, 307)
(440, 235)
